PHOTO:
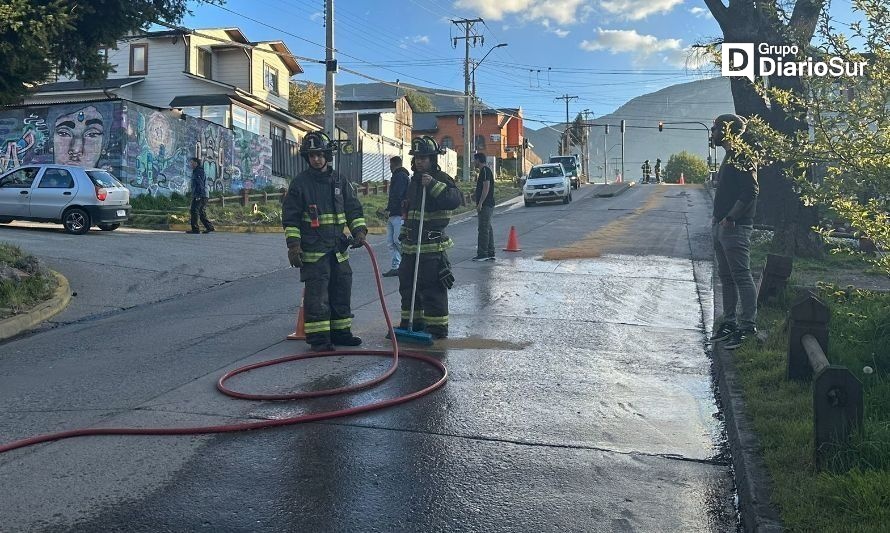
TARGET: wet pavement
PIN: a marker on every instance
(579, 396)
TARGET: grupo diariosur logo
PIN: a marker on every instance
(749, 61)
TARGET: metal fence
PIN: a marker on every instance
(287, 163)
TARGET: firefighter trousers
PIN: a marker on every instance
(431, 304)
(328, 298)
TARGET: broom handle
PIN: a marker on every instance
(417, 258)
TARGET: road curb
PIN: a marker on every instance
(752, 479)
(18, 324)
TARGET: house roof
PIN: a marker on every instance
(80, 85)
(201, 99)
(285, 54)
(425, 121)
(376, 99)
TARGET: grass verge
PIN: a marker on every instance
(36, 285)
(853, 494)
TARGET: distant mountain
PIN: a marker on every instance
(698, 101)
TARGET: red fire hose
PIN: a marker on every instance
(325, 415)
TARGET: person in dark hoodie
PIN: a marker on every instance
(200, 194)
(318, 206)
(398, 186)
(732, 223)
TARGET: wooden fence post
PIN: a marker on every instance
(774, 277)
(808, 316)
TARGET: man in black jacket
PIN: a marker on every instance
(318, 206)
(398, 186)
(732, 224)
(434, 276)
(200, 194)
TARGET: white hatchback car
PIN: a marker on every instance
(76, 197)
(547, 182)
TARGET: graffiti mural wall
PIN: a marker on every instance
(82, 134)
(147, 149)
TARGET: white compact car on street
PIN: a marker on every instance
(547, 182)
(75, 197)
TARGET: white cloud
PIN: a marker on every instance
(561, 33)
(646, 49)
(315, 17)
(562, 11)
(700, 12)
(638, 9)
(421, 39)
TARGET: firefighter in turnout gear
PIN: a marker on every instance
(647, 171)
(318, 206)
(434, 276)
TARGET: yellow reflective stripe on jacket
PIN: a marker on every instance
(314, 257)
(406, 314)
(318, 327)
(437, 189)
(291, 231)
(427, 248)
(430, 215)
(357, 223)
(329, 218)
(436, 320)
(345, 323)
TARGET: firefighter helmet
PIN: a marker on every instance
(425, 145)
(317, 141)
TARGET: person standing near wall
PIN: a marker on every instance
(398, 187)
(200, 194)
(484, 197)
(732, 224)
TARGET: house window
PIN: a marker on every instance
(218, 114)
(138, 59)
(480, 143)
(277, 131)
(246, 120)
(447, 142)
(460, 121)
(205, 63)
(270, 75)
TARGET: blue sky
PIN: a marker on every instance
(603, 51)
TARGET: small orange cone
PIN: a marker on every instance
(299, 333)
(512, 241)
(682, 179)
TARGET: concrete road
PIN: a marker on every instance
(579, 399)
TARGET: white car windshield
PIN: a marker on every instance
(545, 172)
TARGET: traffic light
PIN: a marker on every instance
(607, 129)
(660, 126)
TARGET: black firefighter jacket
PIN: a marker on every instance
(442, 195)
(324, 199)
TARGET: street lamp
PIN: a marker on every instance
(470, 129)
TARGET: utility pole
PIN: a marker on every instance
(623, 127)
(566, 142)
(330, 71)
(585, 148)
(605, 157)
(468, 27)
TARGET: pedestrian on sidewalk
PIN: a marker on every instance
(484, 197)
(318, 206)
(200, 194)
(732, 223)
(647, 171)
(398, 187)
(434, 277)
(657, 170)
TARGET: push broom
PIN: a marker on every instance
(409, 335)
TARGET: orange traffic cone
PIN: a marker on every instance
(512, 241)
(299, 333)
(682, 179)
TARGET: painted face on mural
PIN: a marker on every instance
(78, 137)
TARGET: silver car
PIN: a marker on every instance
(546, 183)
(76, 197)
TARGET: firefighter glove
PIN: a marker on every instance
(359, 237)
(294, 256)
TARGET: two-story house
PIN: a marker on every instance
(215, 74)
(392, 118)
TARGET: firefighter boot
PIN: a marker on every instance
(345, 338)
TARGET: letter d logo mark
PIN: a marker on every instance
(738, 60)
